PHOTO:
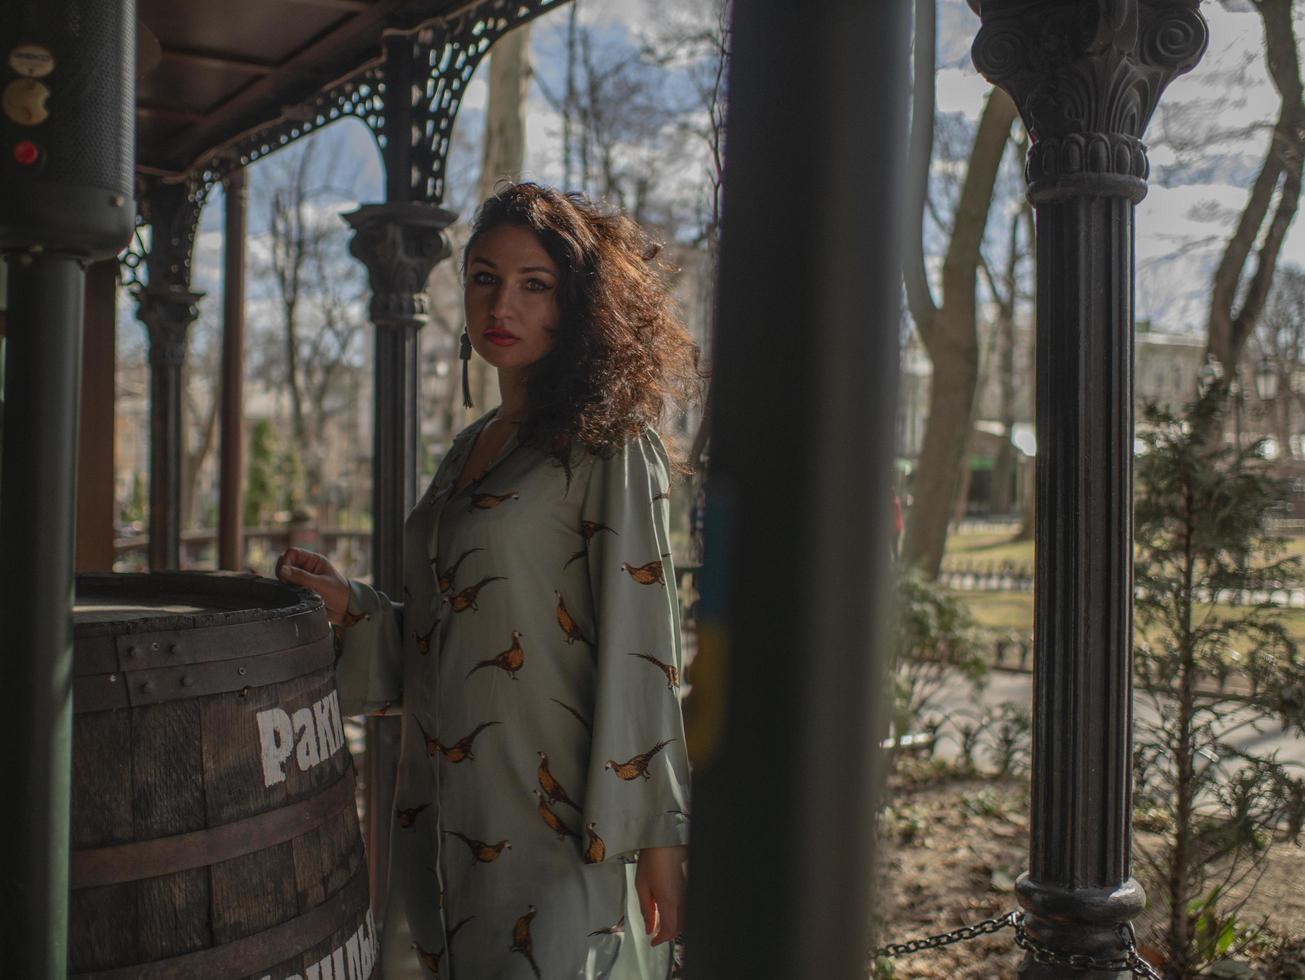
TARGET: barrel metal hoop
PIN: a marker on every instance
(193, 645)
(118, 863)
(346, 909)
(134, 688)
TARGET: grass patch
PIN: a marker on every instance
(1013, 611)
(989, 547)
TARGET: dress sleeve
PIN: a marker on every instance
(368, 671)
(638, 783)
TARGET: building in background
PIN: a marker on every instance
(1167, 372)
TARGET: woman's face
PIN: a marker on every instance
(511, 298)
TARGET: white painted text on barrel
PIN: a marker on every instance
(312, 734)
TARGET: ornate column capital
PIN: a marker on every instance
(399, 243)
(167, 310)
(1086, 77)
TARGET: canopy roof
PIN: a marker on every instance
(215, 72)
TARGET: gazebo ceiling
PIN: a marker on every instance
(223, 70)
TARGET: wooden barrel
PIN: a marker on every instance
(214, 830)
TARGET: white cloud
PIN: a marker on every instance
(961, 90)
(1172, 215)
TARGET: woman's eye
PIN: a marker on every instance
(482, 278)
(537, 285)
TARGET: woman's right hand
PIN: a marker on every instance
(310, 570)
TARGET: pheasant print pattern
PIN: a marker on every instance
(481, 853)
(538, 677)
(407, 818)
(551, 787)
(460, 751)
(638, 766)
(670, 670)
(649, 574)
(509, 661)
(570, 629)
(444, 580)
(521, 941)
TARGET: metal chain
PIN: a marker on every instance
(1131, 960)
(947, 938)
(1081, 962)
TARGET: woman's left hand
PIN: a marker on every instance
(659, 883)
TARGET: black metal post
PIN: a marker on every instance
(167, 310)
(232, 433)
(37, 536)
(1086, 79)
(65, 201)
(788, 690)
(399, 243)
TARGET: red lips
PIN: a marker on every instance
(500, 338)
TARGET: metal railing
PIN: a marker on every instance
(349, 549)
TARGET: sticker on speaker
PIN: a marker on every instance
(31, 60)
(24, 101)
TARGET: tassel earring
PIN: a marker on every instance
(464, 354)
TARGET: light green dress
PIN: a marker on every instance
(535, 660)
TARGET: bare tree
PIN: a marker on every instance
(503, 156)
(624, 124)
(200, 404)
(314, 297)
(1007, 297)
(948, 329)
(1280, 336)
(1236, 301)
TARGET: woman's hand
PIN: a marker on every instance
(310, 570)
(659, 883)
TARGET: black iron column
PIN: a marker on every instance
(167, 311)
(42, 365)
(66, 138)
(1086, 78)
(232, 433)
(167, 307)
(788, 682)
(399, 243)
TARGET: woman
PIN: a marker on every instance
(541, 816)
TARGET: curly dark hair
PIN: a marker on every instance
(622, 358)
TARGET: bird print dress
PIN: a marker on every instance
(535, 659)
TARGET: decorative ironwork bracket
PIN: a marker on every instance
(443, 56)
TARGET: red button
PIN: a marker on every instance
(27, 152)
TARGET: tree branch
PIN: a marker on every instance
(915, 274)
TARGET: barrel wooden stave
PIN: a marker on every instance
(160, 770)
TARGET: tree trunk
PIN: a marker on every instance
(1003, 470)
(503, 157)
(568, 110)
(192, 460)
(950, 336)
(1229, 326)
(1029, 508)
(951, 393)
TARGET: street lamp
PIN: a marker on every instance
(1266, 379)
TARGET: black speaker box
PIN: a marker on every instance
(67, 125)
